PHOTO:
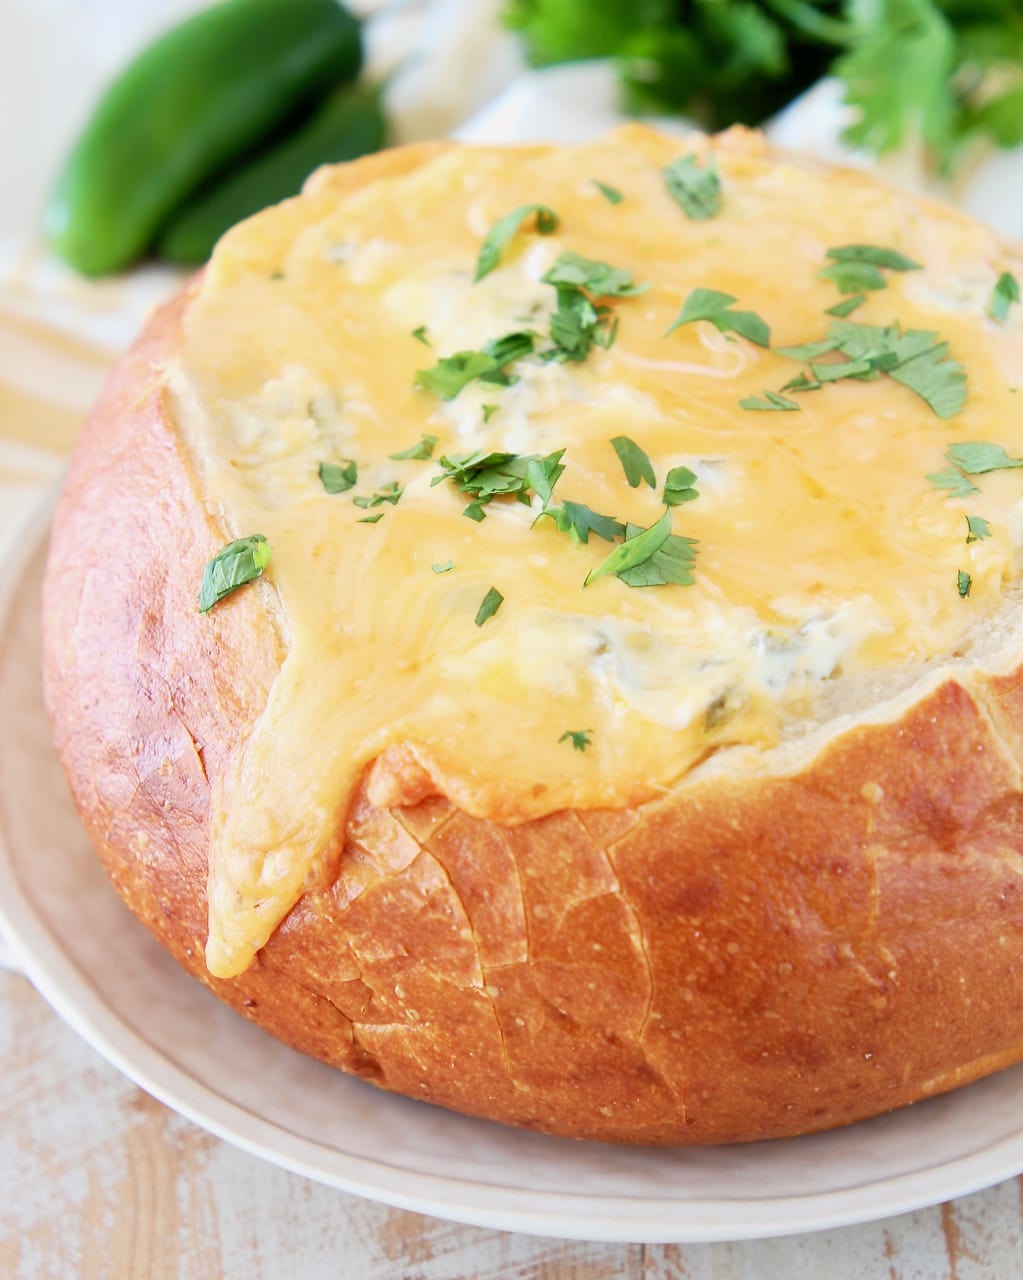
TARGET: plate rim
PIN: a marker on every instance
(624, 1218)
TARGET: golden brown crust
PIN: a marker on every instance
(747, 958)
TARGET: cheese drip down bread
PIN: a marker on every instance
(602, 713)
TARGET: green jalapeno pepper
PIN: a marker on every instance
(191, 103)
(350, 123)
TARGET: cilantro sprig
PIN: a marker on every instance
(935, 70)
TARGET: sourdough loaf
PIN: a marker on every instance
(715, 840)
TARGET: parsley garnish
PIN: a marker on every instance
(505, 230)
(232, 567)
(696, 187)
(635, 462)
(338, 479)
(963, 582)
(492, 601)
(450, 374)
(611, 194)
(421, 451)
(977, 529)
(1004, 294)
(716, 307)
(771, 400)
(579, 738)
(679, 487)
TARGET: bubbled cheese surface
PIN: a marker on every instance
(822, 548)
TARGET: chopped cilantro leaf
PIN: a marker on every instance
(952, 480)
(854, 277)
(491, 602)
(802, 383)
(338, 478)
(1005, 293)
(450, 374)
(696, 187)
(874, 254)
(649, 557)
(484, 476)
(977, 529)
(771, 400)
(611, 194)
(635, 462)
(579, 738)
(421, 451)
(489, 410)
(371, 519)
(505, 230)
(232, 567)
(672, 562)
(835, 370)
(599, 279)
(963, 582)
(420, 335)
(716, 307)
(577, 326)
(390, 494)
(580, 521)
(543, 473)
(915, 357)
(679, 487)
(976, 457)
(446, 567)
(809, 350)
(847, 306)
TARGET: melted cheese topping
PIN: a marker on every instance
(822, 548)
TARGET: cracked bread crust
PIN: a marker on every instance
(750, 957)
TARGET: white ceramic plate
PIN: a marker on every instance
(103, 972)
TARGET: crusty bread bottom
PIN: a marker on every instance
(749, 957)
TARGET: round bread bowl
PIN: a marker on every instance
(771, 947)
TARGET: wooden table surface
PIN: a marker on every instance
(100, 1182)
